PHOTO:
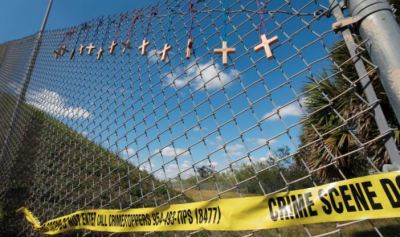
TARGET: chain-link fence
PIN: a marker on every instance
(122, 129)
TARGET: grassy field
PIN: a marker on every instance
(53, 159)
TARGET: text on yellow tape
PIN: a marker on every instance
(370, 197)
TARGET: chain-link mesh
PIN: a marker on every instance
(14, 119)
(129, 130)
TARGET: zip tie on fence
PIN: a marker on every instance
(369, 197)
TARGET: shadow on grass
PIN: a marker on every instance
(387, 231)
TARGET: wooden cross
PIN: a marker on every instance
(72, 54)
(144, 45)
(90, 48)
(62, 50)
(265, 44)
(100, 53)
(56, 53)
(126, 45)
(81, 48)
(224, 51)
(189, 46)
(112, 47)
(164, 52)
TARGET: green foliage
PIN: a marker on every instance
(63, 170)
(269, 175)
(396, 5)
(256, 178)
(327, 118)
(205, 171)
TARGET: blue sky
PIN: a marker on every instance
(128, 103)
(19, 18)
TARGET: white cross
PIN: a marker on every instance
(100, 53)
(56, 53)
(126, 45)
(144, 45)
(62, 50)
(266, 45)
(224, 51)
(164, 52)
(89, 48)
(112, 47)
(189, 46)
(81, 48)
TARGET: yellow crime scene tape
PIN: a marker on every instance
(370, 197)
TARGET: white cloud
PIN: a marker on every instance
(170, 151)
(214, 164)
(152, 55)
(292, 109)
(172, 170)
(263, 158)
(219, 138)
(54, 104)
(267, 158)
(199, 75)
(210, 142)
(263, 141)
(128, 152)
(198, 129)
(148, 166)
(235, 149)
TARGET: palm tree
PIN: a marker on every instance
(338, 123)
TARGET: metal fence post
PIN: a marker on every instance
(378, 25)
(35, 52)
(21, 97)
(370, 94)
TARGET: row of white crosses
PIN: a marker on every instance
(265, 44)
(224, 50)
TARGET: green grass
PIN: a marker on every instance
(57, 170)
